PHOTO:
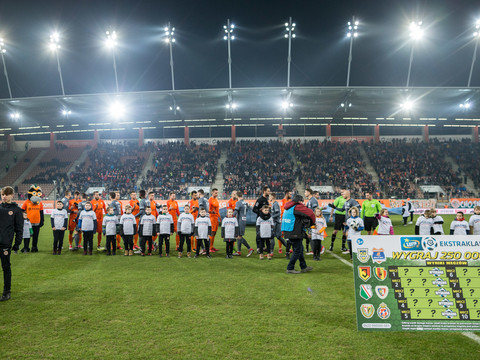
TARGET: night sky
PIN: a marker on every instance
(259, 52)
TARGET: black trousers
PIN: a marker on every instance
(206, 244)
(58, 236)
(316, 247)
(111, 244)
(128, 242)
(88, 240)
(164, 238)
(185, 238)
(229, 246)
(264, 242)
(7, 271)
(36, 232)
(143, 241)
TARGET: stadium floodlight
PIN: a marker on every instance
(231, 106)
(170, 39)
(416, 33)
(476, 35)
(466, 105)
(286, 105)
(3, 51)
(348, 105)
(175, 107)
(111, 43)
(408, 105)
(117, 110)
(66, 112)
(228, 29)
(352, 32)
(54, 45)
(289, 28)
(15, 115)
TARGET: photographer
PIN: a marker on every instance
(296, 218)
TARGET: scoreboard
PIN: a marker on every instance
(417, 283)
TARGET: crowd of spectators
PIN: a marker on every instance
(403, 165)
(335, 164)
(177, 166)
(114, 166)
(253, 164)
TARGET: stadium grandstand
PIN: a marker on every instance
(363, 138)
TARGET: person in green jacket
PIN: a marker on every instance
(370, 208)
(339, 224)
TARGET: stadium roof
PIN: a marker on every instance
(353, 105)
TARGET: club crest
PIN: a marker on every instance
(364, 272)
(367, 310)
(378, 255)
(366, 291)
(381, 291)
(380, 273)
(362, 255)
(383, 311)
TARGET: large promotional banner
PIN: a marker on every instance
(417, 282)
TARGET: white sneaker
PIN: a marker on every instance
(346, 252)
(410, 222)
(309, 253)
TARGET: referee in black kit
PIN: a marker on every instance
(11, 223)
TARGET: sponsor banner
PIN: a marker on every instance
(417, 283)
(464, 203)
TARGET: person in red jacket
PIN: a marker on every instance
(296, 218)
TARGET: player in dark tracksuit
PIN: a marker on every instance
(241, 208)
(261, 201)
(11, 224)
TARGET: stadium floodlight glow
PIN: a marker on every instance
(352, 32)
(346, 105)
(466, 105)
(476, 35)
(2, 52)
(289, 28)
(111, 43)
(170, 39)
(15, 115)
(174, 108)
(286, 105)
(408, 105)
(228, 30)
(231, 106)
(55, 46)
(416, 33)
(117, 110)
(66, 112)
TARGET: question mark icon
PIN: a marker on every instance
(430, 302)
(424, 281)
(478, 313)
(464, 271)
(427, 291)
(409, 281)
(472, 291)
(478, 271)
(468, 281)
(415, 301)
(412, 291)
(420, 271)
(405, 270)
(475, 302)
(418, 312)
(433, 312)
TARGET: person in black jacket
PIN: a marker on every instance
(11, 223)
(257, 209)
(303, 218)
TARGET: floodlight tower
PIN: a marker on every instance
(55, 46)
(229, 37)
(416, 33)
(352, 33)
(290, 29)
(170, 39)
(111, 42)
(476, 34)
(3, 51)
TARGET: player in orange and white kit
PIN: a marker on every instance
(154, 207)
(215, 219)
(194, 211)
(135, 204)
(73, 211)
(233, 201)
(174, 210)
(98, 205)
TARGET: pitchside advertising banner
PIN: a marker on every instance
(417, 282)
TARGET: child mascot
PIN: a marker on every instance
(34, 208)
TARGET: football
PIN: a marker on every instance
(354, 224)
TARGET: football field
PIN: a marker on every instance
(115, 307)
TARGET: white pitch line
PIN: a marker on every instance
(470, 335)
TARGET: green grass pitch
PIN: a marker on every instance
(98, 307)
